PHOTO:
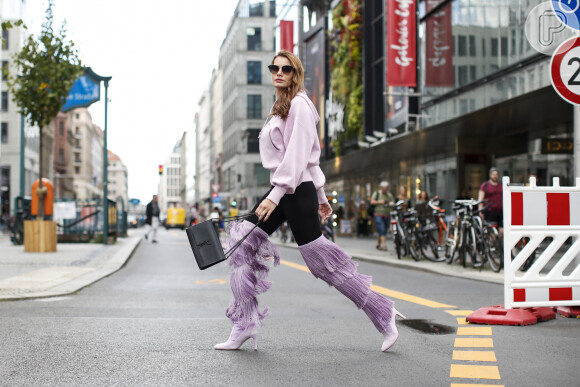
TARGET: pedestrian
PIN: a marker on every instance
(383, 201)
(152, 218)
(290, 149)
(422, 206)
(492, 191)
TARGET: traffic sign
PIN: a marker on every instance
(565, 70)
(568, 11)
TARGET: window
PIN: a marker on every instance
(254, 72)
(254, 35)
(4, 69)
(462, 46)
(77, 170)
(472, 45)
(4, 133)
(504, 46)
(272, 8)
(61, 128)
(5, 39)
(253, 142)
(256, 8)
(61, 155)
(254, 106)
(483, 47)
(463, 80)
(4, 106)
(472, 73)
(494, 47)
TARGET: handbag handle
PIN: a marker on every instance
(238, 243)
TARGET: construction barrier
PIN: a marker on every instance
(543, 224)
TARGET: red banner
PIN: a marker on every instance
(401, 43)
(439, 47)
(287, 35)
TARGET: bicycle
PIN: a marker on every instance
(433, 231)
(404, 226)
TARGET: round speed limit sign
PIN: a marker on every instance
(565, 70)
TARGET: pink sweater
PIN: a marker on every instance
(290, 149)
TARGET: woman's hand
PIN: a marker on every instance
(265, 209)
(325, 211)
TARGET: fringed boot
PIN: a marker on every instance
(247, 280)
(331, 264)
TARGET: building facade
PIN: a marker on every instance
(170, 181)
(483, 98)
(118, 176)
(11, 124)
(247, 99)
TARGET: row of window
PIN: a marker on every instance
(4, 102)
(462, 48)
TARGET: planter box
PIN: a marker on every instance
(39, 236)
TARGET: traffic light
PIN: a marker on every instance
(160, 169)
(234, 203)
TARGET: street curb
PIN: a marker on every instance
(112, 265)
(416, 266)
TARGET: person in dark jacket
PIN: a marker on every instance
(152, 218)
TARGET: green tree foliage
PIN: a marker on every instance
(47, 68)
(346, 67)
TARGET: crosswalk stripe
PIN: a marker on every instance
(473, 342)
(474, 371)
(474, 355)
(462, 321)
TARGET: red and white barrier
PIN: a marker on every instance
(538, 213)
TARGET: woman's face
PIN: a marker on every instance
(280, 80)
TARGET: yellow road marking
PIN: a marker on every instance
(385, 291)
(295, 265)
(474, 371)
(475, 385)
(474, 355)
(473, 342)
(459, 312)
(462, 321)
(474, 331)
(219, 281)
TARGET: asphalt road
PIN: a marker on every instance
(155, 322)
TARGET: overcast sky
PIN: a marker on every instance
(160, 55)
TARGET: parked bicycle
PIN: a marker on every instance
(433, 231)
(406, 231)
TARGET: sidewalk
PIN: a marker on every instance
(73, 267)
(363, 249)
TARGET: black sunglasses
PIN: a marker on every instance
(287, 69)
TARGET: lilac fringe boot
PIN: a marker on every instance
(248, 277)
(330, 263)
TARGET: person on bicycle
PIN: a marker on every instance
(383, 201)
(492, 191)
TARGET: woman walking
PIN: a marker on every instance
(290, 149)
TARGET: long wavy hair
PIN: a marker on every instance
(282, 105)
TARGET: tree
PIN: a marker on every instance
(48, 67)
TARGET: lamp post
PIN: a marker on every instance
(105, 174)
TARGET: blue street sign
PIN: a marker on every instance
(217, 199)
(134, 202)
(340, 199)
(568, 11)
(85, 91)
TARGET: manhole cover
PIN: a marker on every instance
(428, 327)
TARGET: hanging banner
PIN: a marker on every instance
(439, 47)
(287, 35)
(401, 43)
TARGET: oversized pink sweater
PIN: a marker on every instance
(290, 149)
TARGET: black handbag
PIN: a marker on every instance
(205, 241)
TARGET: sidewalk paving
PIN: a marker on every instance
(363, 249)
(77, 265)
(74, 266)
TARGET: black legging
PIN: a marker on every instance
(300, 209)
